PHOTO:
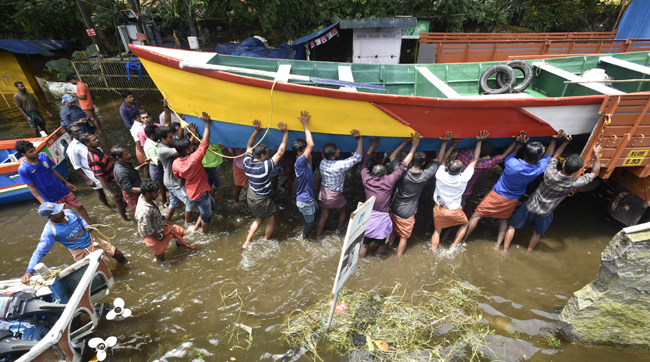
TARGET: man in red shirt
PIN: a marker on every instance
(85, 101)
(189, 166)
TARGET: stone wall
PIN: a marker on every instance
(614, 309)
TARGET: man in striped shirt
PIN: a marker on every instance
(102, 167)
(557, 185)
(258, 166)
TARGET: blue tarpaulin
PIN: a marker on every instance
(253, 47)
(43, 47)
(635, 23)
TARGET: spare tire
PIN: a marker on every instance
(500, 68)
(525, 68)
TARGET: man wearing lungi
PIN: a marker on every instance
(156, 230)
(258, 166)
(409, 189)
(376, 183)
(557, 185)
(332, 172)
(69, 229)
(450, 185)
(501, 201)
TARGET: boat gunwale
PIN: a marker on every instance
(147, 53)
(11, 167)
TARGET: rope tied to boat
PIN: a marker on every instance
(185, 124)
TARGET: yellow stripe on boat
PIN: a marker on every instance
(192, 94)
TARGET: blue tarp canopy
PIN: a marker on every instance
(314, 35)
(253, 47)
(634, 24)
(43, 47)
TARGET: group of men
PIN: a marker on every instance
(178, 169)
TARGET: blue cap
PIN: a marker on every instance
(67, 98)
(50, 208)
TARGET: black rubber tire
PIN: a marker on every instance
(525, 68)
(500, 68)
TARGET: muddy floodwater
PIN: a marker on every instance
(198, 295)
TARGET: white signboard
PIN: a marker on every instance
(352, 242)
(376, 45)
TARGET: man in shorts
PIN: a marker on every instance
(28, 106)
(557, 185)
(305, 199)
(258, 166)
(66, 227)
(167, 154)
(407, 195)
(103, 169)
(501, 201)
(85, 101)
(78, 156)
(189, 166)
(332, 172)
(451, 182)
(211, 163)
(380, 185)
(44, 182)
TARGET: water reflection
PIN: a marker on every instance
(198, 295)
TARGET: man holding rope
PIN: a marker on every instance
(69, 229)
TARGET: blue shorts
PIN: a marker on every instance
(213, 177)
(523, 217)
(206, 204)
(176, 196)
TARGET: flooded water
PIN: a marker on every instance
(198, 295)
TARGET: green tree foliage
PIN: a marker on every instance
(48, 19)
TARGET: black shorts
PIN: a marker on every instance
(368, 241)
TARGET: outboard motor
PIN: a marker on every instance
(24, 305)
(12, 348)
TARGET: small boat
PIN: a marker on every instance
(52, 320)
(387, 101)
(54, 146)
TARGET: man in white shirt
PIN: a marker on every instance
(78, 155)
(450, 186)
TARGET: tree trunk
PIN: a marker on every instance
(89, 25)
(190, 21)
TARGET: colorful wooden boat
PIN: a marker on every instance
(426, 98)
(54, 146)
(51, 319)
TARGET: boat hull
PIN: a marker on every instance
(54, 146)
(234, 101)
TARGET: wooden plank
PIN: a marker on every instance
(600, 88)
(283, 73)
(345, 73)
(625, 64)
(439, 84)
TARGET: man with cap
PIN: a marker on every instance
(71, 113)
(69, 229)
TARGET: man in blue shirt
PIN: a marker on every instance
(44, 182)
(127, 107)
(258, 166)
(501, 201)
(70, 114)
(305, 199)
(66, 227)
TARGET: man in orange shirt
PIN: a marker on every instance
(85, 100)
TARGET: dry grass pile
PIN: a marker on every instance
(439, 321)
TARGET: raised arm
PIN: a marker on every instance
(559, 150)
(454, 143)
(251, 141)
(512, 146)
(477, 151)
(521, 140)
(441, 154)
(167, 118)
(356, 134)
(283, 146)
(400, 148)
(414, 141)
(206, 130)
(595, 169)
(551, 146)
(304, 120)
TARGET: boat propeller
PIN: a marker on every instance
(119, 310)
(101, 345)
